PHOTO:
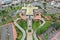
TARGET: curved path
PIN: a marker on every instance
(42, 23)
(35, 37)
(20, 28)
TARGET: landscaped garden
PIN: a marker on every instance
(7, 14)
(35, 24)
(57, 25)
(19, 34)
(23, 24)
(43, 28)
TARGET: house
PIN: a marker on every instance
(26, 0)
(8, 32)
(46, 0)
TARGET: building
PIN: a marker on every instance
(6, 1)
(56, 0)
(57, 36)
(48, 0)
(8, 32)
(26, 0)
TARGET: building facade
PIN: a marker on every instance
(26, 0)
(8, 32)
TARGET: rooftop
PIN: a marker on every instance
(57, 36)
(8, 32)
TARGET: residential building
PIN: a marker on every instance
(6, 1)
(26, 0)
(8, 32)
(56, 36)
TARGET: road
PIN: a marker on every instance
(20, 28)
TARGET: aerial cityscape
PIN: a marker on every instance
(29, 19)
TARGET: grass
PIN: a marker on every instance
(47, 24)
(5, 13)
(23, 24)
(44, 28)
(35, 24)
(57, 25)
(19, 34)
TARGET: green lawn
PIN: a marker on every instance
(44, 28)
(19, 34)
(57, 25)
(8, 10)
(23, 24)
(35, 24)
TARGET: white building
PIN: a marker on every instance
(6, 1)
(53, 2)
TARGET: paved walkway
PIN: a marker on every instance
(38, 17)
(29, 35)
(42, 19)
(29, 29)
(20, 28)
(35, 37)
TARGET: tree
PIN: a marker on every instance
(57, 25)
